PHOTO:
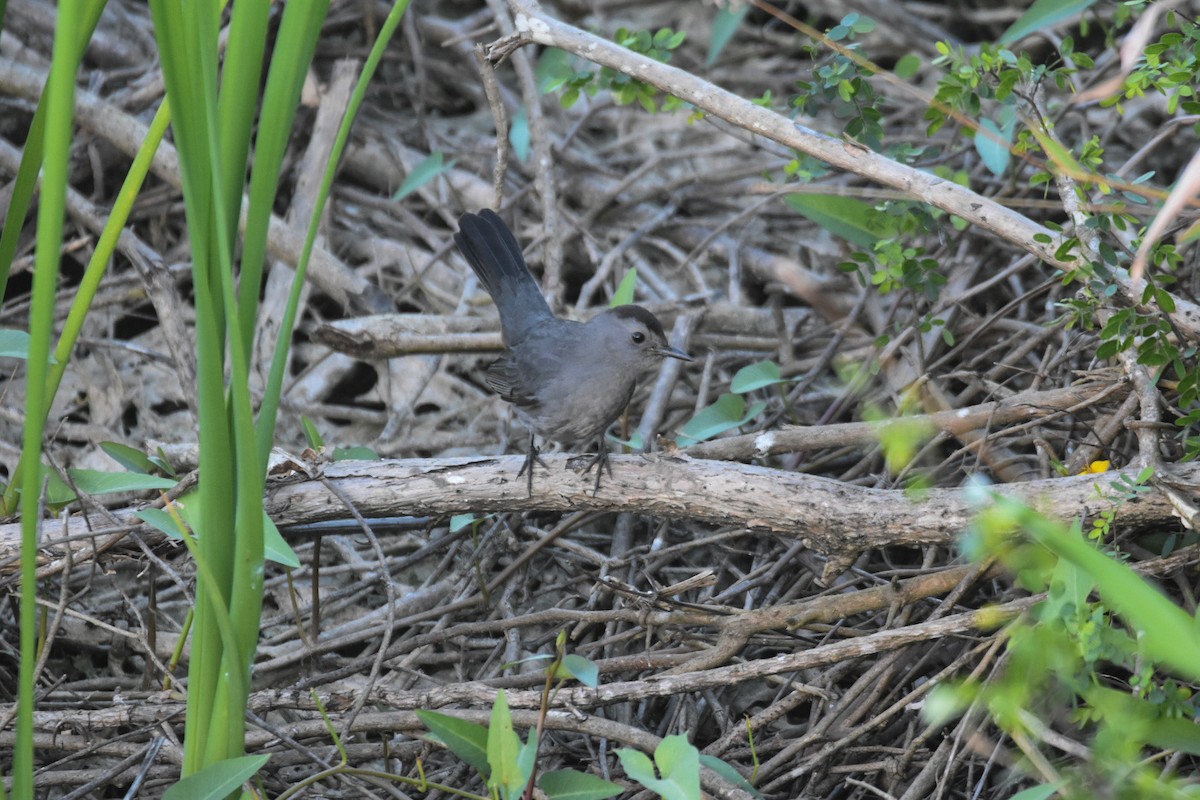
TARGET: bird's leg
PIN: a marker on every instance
(600, 462)
(533, 455)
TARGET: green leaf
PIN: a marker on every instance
(94, 481)
(1041, 15)
(634, 442)
(901, 439)
(467, 740)
(1060, 156)
(504, 752)
(994, 148)
(730, 774)
(582, 669)
(359, 453)
(725, 25)
(128, 457)
(853, 220)
(1167, 632)
(315, 440)
(422, 174)
(162, 520)
(637, 765)
(518, 136)
(722, 415)
(275, 547)
(756, 376)
(526, 759)
(567, 784)
(1069, 590)
(1175, 734)
(217, 781)
(623, 296)
(14, 344)
(678, 763)
(946, 702)
(907, 66)
(1042, 792)
(460, 521)
(160, 460)
(553, 70)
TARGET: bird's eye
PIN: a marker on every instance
(639, 337)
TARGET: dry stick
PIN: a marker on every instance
(583, 698)
(613, 255)
(829, 516)
(668, 374)
(389, 589)
(1001, 461)
(440, 610)
(972, 574)
(491, 89)
(863, 694)
(543, 161)
(1150, 427)
(390, 335)
(958, 422)
(534, 26)
(731, 626)
(1105, 433)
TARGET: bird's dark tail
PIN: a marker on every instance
(492, 251)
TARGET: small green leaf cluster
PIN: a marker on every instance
(1151, 335)
(991, 74)
(1168, 67)
(1103, 642)
(842, 84)
(507, 764)
(984, 86)
(895, 265)
(556, 71)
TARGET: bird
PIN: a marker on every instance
(568, 381)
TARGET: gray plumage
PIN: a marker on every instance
(569, 381)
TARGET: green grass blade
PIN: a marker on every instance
(60, 106)
(299, 31)
(31, 157)
(269, 409)
(241, 75)
(184, 33)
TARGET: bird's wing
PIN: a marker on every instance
(505, 379)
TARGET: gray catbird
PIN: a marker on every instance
(568, 380)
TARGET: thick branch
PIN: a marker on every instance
(833, 518)
(830, 517)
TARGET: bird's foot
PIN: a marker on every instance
(599, 461)
(527, 468)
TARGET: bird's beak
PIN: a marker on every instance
(673, 352)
